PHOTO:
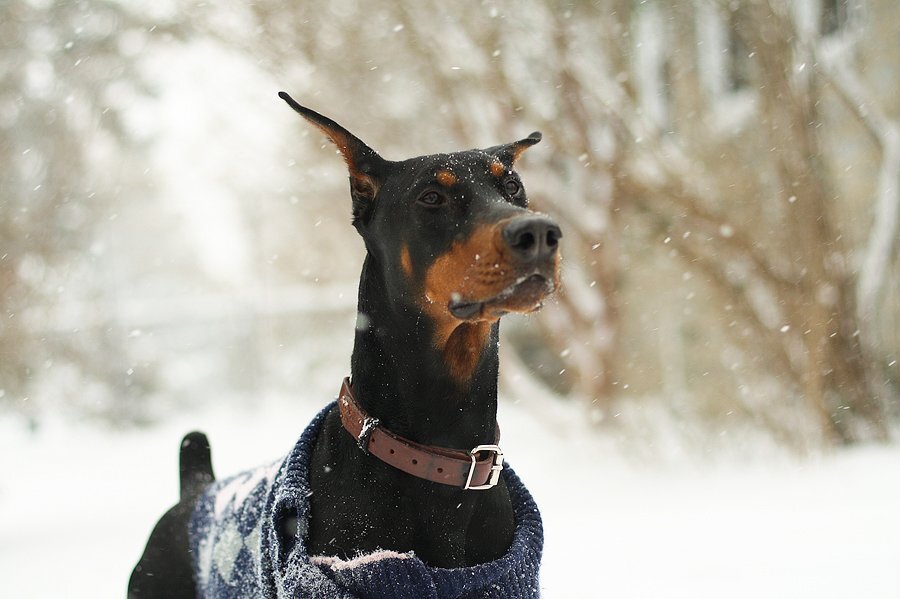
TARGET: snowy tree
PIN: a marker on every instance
(755, 205)
(725, 174)
(693, 155)
(67, 75)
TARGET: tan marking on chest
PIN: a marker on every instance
(464, 349)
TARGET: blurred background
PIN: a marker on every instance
(175, 252)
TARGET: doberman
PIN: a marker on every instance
(451, 247)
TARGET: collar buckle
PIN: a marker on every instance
(496, 467)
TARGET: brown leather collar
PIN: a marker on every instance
(452, 467)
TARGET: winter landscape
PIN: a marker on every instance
(77, 507)
(709, 408)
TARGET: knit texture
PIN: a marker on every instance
(238, 551)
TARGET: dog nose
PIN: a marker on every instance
(533, 237)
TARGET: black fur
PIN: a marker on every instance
(411, 215)
(165, 569)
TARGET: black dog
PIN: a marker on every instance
(408, 459)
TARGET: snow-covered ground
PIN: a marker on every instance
(77, 504)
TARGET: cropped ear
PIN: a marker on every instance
(509, 153)
(367, 168)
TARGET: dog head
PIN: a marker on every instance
(450, 234)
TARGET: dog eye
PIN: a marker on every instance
(512, 187)
(431, 198)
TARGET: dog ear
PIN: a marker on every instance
(509, 153)
(366, 167)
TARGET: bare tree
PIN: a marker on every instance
(753, 212)
(756, 213)
(67, 73)
(692, 137)
(799, 263)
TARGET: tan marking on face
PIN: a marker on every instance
(476, 269)
(446, 178)
(497, 168)
(520, 148)
(522, 145)
(363, 183)
(406, 262)
(473, 268)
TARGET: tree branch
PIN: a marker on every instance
(886, 135)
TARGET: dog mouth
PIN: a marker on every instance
(524, 295)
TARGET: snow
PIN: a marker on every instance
(336, 563)
(77, 503)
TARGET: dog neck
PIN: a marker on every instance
(401, 377)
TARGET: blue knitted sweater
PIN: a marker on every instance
(238, 551)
